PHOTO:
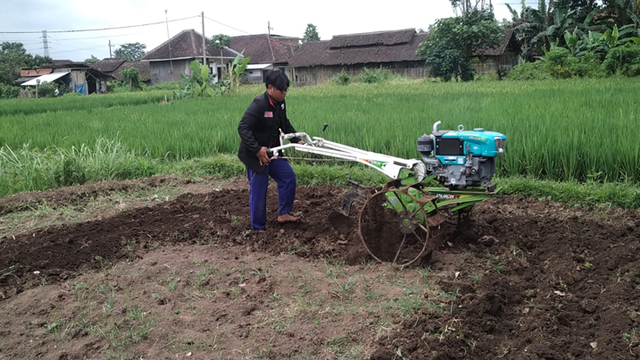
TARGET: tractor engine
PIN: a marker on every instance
(462, 158)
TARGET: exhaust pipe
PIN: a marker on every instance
(435, 126)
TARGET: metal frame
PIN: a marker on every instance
(391, 166)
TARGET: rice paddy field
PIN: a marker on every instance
(167, 267)
(558, 130)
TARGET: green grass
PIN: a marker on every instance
(583, 131)
(76, 103)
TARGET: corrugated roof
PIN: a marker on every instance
(45, 78)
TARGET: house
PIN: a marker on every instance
(267, 52)
(143, 69)
(173, 57)
(114, 68)
(108, 65)
(318, 61)
(28, 74)
(501, 58)
(78, 77)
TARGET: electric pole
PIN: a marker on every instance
(204, 43)
(170, 57)
(110, 56)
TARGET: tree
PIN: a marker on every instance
(39, 61)
(539, 28)
(220, 41)
(453, 42)
(311, 34)
(130, 51)
(464, 7)
(131, 76)
(92, 60)
(13, 57)
(237, 70)
(623, 12)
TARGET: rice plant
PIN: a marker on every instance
(583, 129)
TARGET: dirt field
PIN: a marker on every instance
(164, 268)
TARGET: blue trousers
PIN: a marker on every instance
(280, 171)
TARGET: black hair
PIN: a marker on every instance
(277, 79)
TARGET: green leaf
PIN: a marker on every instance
(204, 73)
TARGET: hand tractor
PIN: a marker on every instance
(395, 221)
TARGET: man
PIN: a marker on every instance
(259, 130)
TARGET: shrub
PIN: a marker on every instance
(341, 79)
(372, 76)
(47, 89)
(8, 91)
(69, 171)
(560, 64)
(590, 66)
(623, 60)
(168, 85)
(528, 71)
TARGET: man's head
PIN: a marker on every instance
(277, 84)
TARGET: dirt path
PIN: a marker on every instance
(180, 276)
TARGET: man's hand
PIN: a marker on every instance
(262, 156)
(301, 142)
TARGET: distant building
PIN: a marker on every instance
(318, 61)
(173, 57)
(114, 68)
(501, 58)
(76, 77)
(267, 52)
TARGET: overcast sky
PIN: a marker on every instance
(287, 17)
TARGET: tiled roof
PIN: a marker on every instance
(142, 66)
(108, 65)
(186, 44)
(35, 72)
(263, 49)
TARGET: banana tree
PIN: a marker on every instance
(199, 83)
(237, 69)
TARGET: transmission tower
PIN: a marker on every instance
(45, 43)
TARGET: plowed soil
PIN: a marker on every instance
(185, 278)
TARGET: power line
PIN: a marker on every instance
(99, 29)
(73, 50)
(23, 41)
(97, 37)
(230, 27)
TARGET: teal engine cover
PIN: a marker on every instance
(462, 158)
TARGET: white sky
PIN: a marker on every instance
(287, 17)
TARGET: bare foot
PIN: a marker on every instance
(287, 218)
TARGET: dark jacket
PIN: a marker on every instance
(259, 127)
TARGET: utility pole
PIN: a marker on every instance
(45, 43)
(170, 57)
(269, 28)
(204, 43)
(110, 56)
